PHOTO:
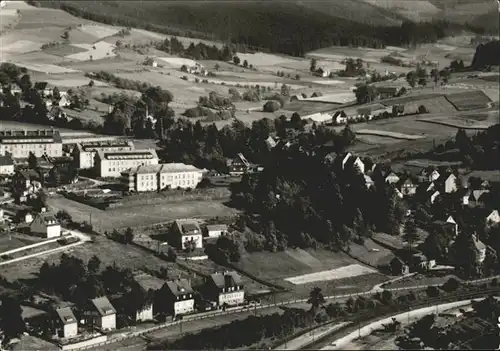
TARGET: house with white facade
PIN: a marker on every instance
(46, 225)
(179, 296)
(493, 218)
(216, 230)
(67, 323)
(103, 314)
(145, 313)
(450, 184)
(186, 234)
(6, 165)
(434, 197)
(481, 249)
(112, 163)
(226, 289)
(392, 178)
(19, 143)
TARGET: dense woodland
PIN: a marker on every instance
(257, 24)
(486, 55)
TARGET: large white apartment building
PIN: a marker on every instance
(112, 163)
(162, 176)
(84, 153)
(19, 143)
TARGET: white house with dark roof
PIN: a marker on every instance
(270, 142)
(19, 143)
(339, 117)
(179, 297)
(392, 178)
(103, 313)
(450, 184)
(226, 288)
(45, 224)
(84, 153)
(238, 165)
(493, 218)
(185, 233)
(216, 230)
(67, 322)
(6, 165)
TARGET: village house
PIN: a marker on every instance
(19, 143)
(419, 262)
(392, 178)
(428, 175)
(448, 224)
(353, 161)
(216, 230)
(369, 181)
(103, 314)
(46, 225)
(112, 163)
(238, 165)
(179, 296)
(476, 198)
(297, 97)
(44, 89)
(15, 89)
(226, 289)
(26, 181)
(145, 313)
(24, 216)
(481, 249)
(186, 234)
(161, 176)
(323, 72)
(386, 92)
(393, 265)
(339, 117)
(434, 197)
(270, 142)
(66, 323)
(450, 184)
(407, 186)
(493, 218)
(6, 165)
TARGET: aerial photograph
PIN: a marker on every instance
(249, 174)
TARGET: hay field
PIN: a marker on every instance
(177, 62)
(390, 134)
(463, 123)
(469, 100)
(46, 68)
(337, 98)
(63, 50)
(96, 51)
(98, 30)
(336, 53)
(73, 83)
(352, 270)
(263, 59)
(328, 82)
(20, 47)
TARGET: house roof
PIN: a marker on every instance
(104, 144)
(184, 226)
(477, 194)
(220, 280)
(216, 227)
(340, 113)
(6, 161)
(127, 154)
(48, 218)
(103, 306)
(387, 89)
(41, 85)
(478, 243)
(387, 260)
(30, 136)
(179, 287)
(66, 315)
(271, 142)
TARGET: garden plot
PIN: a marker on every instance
(99, 31)
(352, 270)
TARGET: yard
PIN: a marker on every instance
(139, 215)
(14, 241)
(370, 253)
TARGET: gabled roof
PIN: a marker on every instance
(340, 113)
(478, 243)
(6, 161)
(184, 226)
(103, 306)
(66, 315)
(477, 194)
(41, 85)
(220, 280)
(48, 218)
(29, 174)
(271, 142)
(243, 159)
(179, 287)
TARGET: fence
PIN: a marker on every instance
(204, 315)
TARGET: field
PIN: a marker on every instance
(14, 241)
(469, 100)
(465, 122)
(140, 215)
(371, 253)
(352, 270)
(108, 251)
(389, 134)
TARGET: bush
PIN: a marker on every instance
(271, 106)
(451, 285)
(432, 291)
(184, 78)
(422, 109)
(494, 282)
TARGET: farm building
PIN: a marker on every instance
(339, 117)
(394, 265)
(238, 165)
(46, 225)
(318, 117)
(386, 92)
(493, 218)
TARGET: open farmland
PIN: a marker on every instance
(123, 217)
(464, 123)
(63, 50)
(352, 270)
(469, 100)
(389, 134)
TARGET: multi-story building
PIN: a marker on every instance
(103, 314)
(186, 234)
(161, 176)
(179, 297)
(46, 225)
(84, 153)
(6, 165)
(20, 143)
(226, 289)
(67, 322)
(112, 163)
